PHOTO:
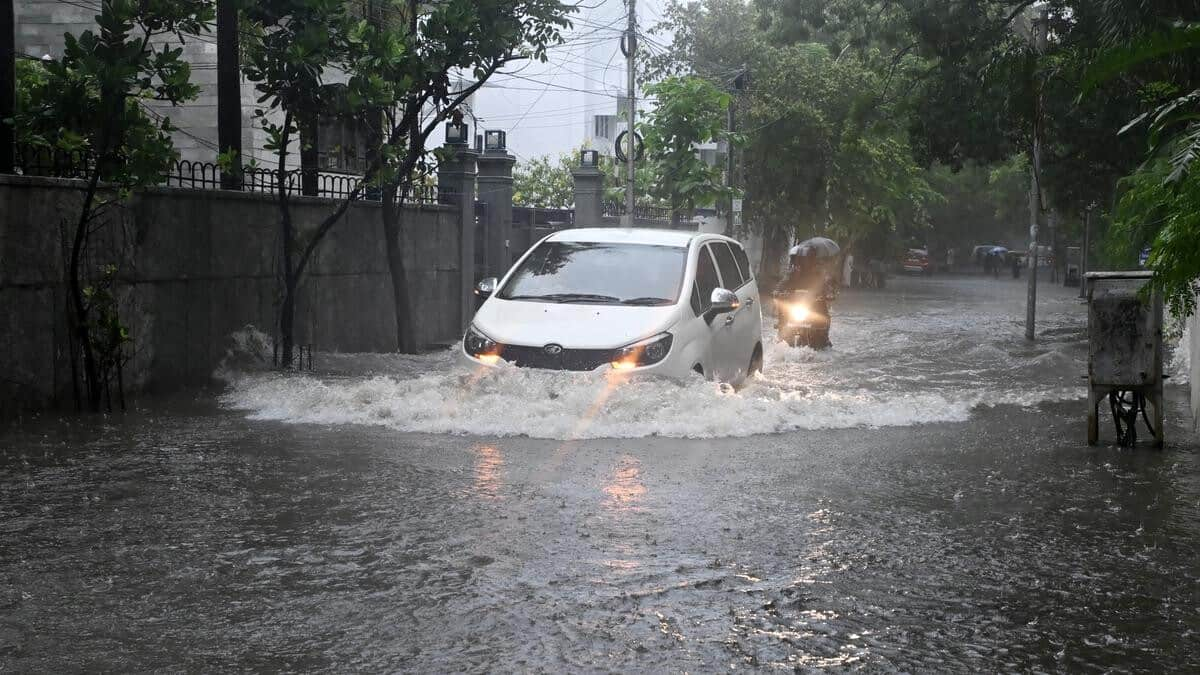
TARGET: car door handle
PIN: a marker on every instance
(729, 320)
(749, 302)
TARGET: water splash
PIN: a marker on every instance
(929, 362)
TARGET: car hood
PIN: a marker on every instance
(518, 322)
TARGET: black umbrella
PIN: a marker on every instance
(821, 247)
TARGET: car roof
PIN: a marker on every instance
(631, 235)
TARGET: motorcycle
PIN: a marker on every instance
(802, 319)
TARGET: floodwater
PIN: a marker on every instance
(917, 499)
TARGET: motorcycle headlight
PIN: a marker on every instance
(644, 353)
(479, 345)
(798, 312)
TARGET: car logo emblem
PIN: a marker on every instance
(552, 350)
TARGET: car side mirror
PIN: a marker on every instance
(486, 287)
(722, 302)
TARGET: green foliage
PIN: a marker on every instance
(688, 111)
(543, 183)
(1165, 215)
(1160, 201)
(90, 100)
(403, 67)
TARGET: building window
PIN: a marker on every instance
(605, 126)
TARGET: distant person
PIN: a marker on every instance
(950, 260)
(1016, 266)
(848, 270)
(987, 262)
(996, 264)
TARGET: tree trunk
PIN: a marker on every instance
(287, 320)
(308, 154)
(287, 310)
(79, 323)
(774, 246)
(393, 232)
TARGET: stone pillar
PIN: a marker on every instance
(456, 187)
(589, 191)
(496, 191)
(8, 83)
(229, 93)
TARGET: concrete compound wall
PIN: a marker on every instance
(201, 265)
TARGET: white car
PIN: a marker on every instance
(644, 301)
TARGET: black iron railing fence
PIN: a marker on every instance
(41, 161)
(617, 209)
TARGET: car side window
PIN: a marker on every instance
(731, 277)
(743, 261)
(706, 279)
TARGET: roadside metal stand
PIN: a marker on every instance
(1074, 258)
(1125, 354)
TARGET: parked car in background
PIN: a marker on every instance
(916, 260)
(634, 300)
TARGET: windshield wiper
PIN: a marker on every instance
(648, 301)
(567, 297)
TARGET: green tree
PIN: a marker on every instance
(89, 103)
(688, 111)
(824, 121)
(1159, 202)
(402, 66)
(295, 43)
(544, 183)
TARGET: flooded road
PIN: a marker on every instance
(924, 501)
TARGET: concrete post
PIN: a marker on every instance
(589, 193)
(8, 84)
(229, 93)
(496, 191)
(456, 187)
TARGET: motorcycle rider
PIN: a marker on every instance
(809, 275)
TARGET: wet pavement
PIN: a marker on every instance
(924, 502)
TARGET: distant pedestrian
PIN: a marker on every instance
(848, 270)
(1016, 266)
(996, 264)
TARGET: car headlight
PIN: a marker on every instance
(479, 345)
(644, 353)
(798, 313)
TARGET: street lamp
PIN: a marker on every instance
(589, 159)
(495, 140)
(456, 133)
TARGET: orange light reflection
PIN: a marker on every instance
(489, 477)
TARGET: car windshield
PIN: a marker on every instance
(579, 272)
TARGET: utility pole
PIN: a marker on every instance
(729, 182)
(631, 147)
(739, 83)
(229, 93)
(1035, 182)
(1083, 255)
(8, 84)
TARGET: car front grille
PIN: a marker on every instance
(567, 359)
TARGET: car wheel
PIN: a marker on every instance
(756, 362)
